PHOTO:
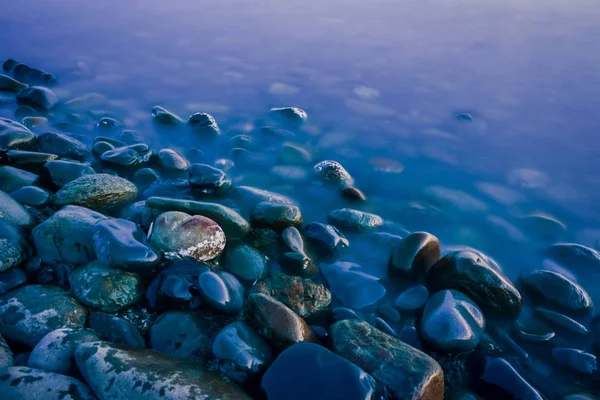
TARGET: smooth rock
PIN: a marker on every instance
(29, 160)
(575, 359)
(561, 321)
(13, 212)
(11, 85)
(298, 264)
(6, 355)
(412, 300)
(127, 156)
(165, 117)
(502, 378)
(20, 383)
(97, 192)
(204, 124)
(15, 136)
(12, 178)
(273, 133)
(63, 172)
(292, 153)
(352, 287)
(34, 122)
(14, 248)
(293, 240)
(37, 97)
(27, 74)
(222, 291)
(170, 160)
(32, 196)
(575, 256)
(209, 179)
(12, 278)
(248, 197)
(115, 329)
(353, 194)
(87, 101)
(324, 239)
(415, 255)
(181, 334)
(543, 227)
(293, 115)
(354, 220)
(62, 145)
(177, 286)
(246, 262)
(275, 216)
(332, 172)
(107, 124)
(145, 177)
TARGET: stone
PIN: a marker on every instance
(575, 359)
(30, 312)
(332, 172)
(177, 286)
(323, 376)
(34, 122)
(232, 223)
(354, 220)
(574, 256)
(415, 255)
(294, 154)
(241, 353)
(122, 244)
(12, 278)
(105, 289)
(504, 380)
(245, 262)
(165, 117)
(275, 216)
(325, 240)
(13, 212)
(350, 286)
(181, 334)
(27, 74)
(97, 192)
(6, 355)
(273, 133)
(542, 227)
(412, 300)
(15, 136)
(298, 264)
(479, 279)
(222, 291)
(32, 196)
(12, 178)
(62, 145)
(533, 330)
(353, 194)
(101, 147)
(87, 101)
(115, 329)
(170, 160)
(107, 124)
(14, 248)
(37, 97)
(63, 172)
(11, 85)
(29, 160)
(209, 179)
(278, 324)
(451, 322)
(553, 290)
(179, 235)
(303, 296)
(407, 372)
(127, 156)
(248, 197)
(561, 321)
(54, 352)
(29, 383)
(116, 371)
(67, 236)
(204, 124)
(145, 177)
(293, 240)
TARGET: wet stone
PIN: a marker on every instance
(502, 379)
(14, 248)
(407, 372)
(30, 312)
(209, 179)
(332, 172)
(575, 256)
(122, 244)
(62, 145)
(54, 352)
(561, 321)
(97, 192)
(292, 115)
(29, 160)
(222, 291)
(13, 212)
(533, 330)
(324, 239)
(412, 300)
(12, 178)
(298, 264)
(553, 290)
(204, 124)
(14, 135)
(11, 279)
(278, 324)
(275, 216)
(32, 196)
(27, 74)
(293, 240)
(116, 371)
(451, 322)
(543, 228)
(303, 296)
(246, 262)
(67, 236)
(63, 172)
(415, 255)
(107, 124)
(180, 235)
(181, 334)
(101, 147)
(37, 97)
(24, 382)
(294, 154)
(6, 355)
(354, 220)
(115, 329)
(165, 117)
(11, 85)
(353, 194)
(323, 376)
(105, 289)
(170, 160)
(479, 279)
(145, 177)
(127, 156)
(248, 197)
(34, 122)
(575, 359)
(350, 286)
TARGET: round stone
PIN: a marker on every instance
(14, 248)
(352, 287)
(62, 145)
(246, 263)
(62, 172)
(99, 191)
(37, 97)
(415, 255)
(132, 155)
(325, 240)
(275, 216)
(332, 172)
(354, 220)
(24, 382)
(13, 212)
(222, 291)
(32, 196)
(181, 334)
(209, 179)
(14, 135)
(204, 124)
(412, 300)
(170, 160)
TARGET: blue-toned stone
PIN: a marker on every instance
(325, 240)
(415, 255)
(561, 321)
(13, 212)
(177, 286)
(354, 220)
(63, 172)
(209, 179)
(222, 291)
(12, 278)
(97, 192)
(165, 117)
(246, 263)
(292, 115)
(204, 124)
(14, 135)
(127, 156)
(62, 145)
(332, 172)
(575, 359)
(412, 300)
(37, 97)
(170, 160)
(502, 377)
(115, 329)
(14, 248)
(352, 287)
(32, 196)
(181, 334)
(22, 382)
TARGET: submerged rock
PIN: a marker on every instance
(15, 136)
(62, 145)
(504, 380)
(324, 239)
(32, 196)
(204, 124)
(6, 355)
(170, 160)
(11, 279)
(181, 334)
(12, 178)
(25, 73)
(332, 172)
(574, 256)
(177, 286)
(354, 220)
(14, 248)
(13, 212)
(575, 359)
(275, 216)
(165, 117)
(352, 287)
(11, 85)
(222, 291)
(415, 255)
(115, 329)
(37, 97)
(127, 156)
(209, 179)
(412, 300)
(97, 192)
(289, 114)
(29, 383)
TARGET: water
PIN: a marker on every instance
(379, 79)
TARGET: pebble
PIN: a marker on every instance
(24, 382)
(177, 286)
(12, 178)
(562, 321)
(451, 322)
(15, 136)
(415, 255)
(575, 359)
(37, 97)
(126, 156)
(293, 240)
(503, 379)
(326, 240)
(181, 334)
(62, 145)
(272, 132)
(32, 196)
(353, 194)
(352, 287)
(222, 291)
(6, 355)
(170, 160)
(63, 172)
(12, 278)
(11, 85)
(246, 262)
(407, 372)
(27, 74)
(354, 220)
(292, 115)
(298, 264)
(13, 212)
(248, 197)
(543, 227)
(105, 289)
(87, 101)
(412, 300)
(115, 329)
(180, 235)
(209, 179)
(332, 172)
(276, 216)
(34, 122)
(30, 312)
(293, 154)
(165, 117)
(14, 248)
(533, 330)
(97, 192)
(107, 124)
(28, 160)
(575, 256)
(204, 124)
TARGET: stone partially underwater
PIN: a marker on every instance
(247, 263)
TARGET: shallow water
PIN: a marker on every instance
(383, 83)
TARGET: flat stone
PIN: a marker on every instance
(127, 156)
(275, 216)
(12, 178)
(503, 378)
(15, 136)
(97, 192)
(165, 117)
(575, 256)
(63, 172)
(181, 334)
(24, 382)
(412, 300)
(222, 291)
(13, 212)
(354, 220)
(209, 179)
(29, 160)
(289, 114)
(575, 359)
(325, 240)
(11, 85)
(14, 248)
(32, 196)
(352, 287)
(62, 145)
(37, 97)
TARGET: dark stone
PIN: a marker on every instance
(294, 154)
(29, 160)
(102, 147)
(34, 122)
(13, 212)
(32, 196)
(543, 228)
(11, 279)
(325, 240)
(37, 97)
(6, 355)
(502, 378)
(63, 172)
(115, 329)
(170, 160)
(533, 330)
(298, 264)
(246, 263)
(275, 216)
(14, 248)
(352, 287)
(354, 220)
(407, 372)
(209, 179)
(415, 255)
(12, 179)
(97, 192)
(204, 124)
(574, 256)
(11, 85)
(341, 313)
(18, 383)
(222, 291)
(181, 334)
(62, 145)
(561, 321)
(30, 312)
(165, 117)
(107, 124)
(412, 300)
(332, 172)
(27, 74)
(575, 359)
(353, 194)
(127, 156)
(292, 115)
(177, 286)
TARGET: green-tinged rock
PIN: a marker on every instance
(13, 212)
(15, 136)
(97, 192)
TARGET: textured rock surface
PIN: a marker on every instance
(18, 383)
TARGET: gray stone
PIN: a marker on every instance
(37, 97)
(181, 334)
(97, 192)
(14, 248)
(13, 212)
(14, 135)
(20, 383)
(63, 172)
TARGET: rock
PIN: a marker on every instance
(34, 122)
(116, 371)
(11, 279)
(325, 240)
(115, 329)
(97, 192)
(354, 220)
(62, 145)
(67, 236)
(274, 321)
(13, 212)
(298, 264)
(353, 194)
(415, 255)
(6, 355)
(11, 85)
(54, 352)
(451, 322)
(332, 172)
(543, 228)
(87, 101)
(12, 179)
(503, 380)
(248, 197)
(127, 156)
(246, 263)
(275, 216)
(181, 334)
(303, 296)
(232, 223)
(352, 287)
(25, 73)
(14, 136)
(561, 321)
(479, 279)
(177, 286)
(323, 376)
(164, 117)
(32, 196)
(180, 235)
(105, 289)
(170, 160)
(407, 372)
(145, 177)
(273, 133)
(107, 124)
(553, 290)
(293, 240)
(222, 291)
(209, 179)
(241, 354)
(289, 114)
(412, 300)
(28, 383)
(204, 124)
(122, 244)
(63, 172)
(101, 147)
(576, 256)
(533, 330)
(14, 248)
(452, 200)
(575, 359)
(30, 312)
(37, 97)
(294, 154)
(29, 160)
